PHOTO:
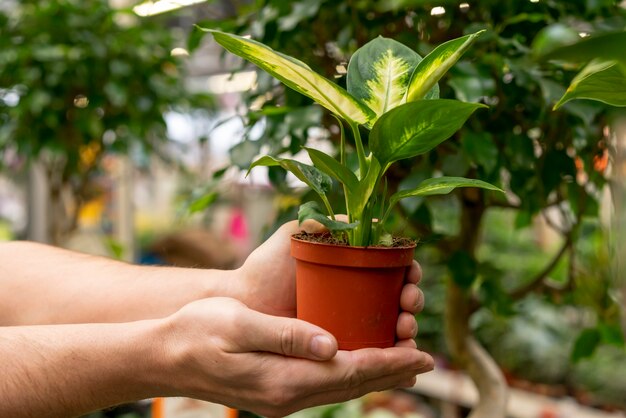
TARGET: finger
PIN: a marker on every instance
(409, 383)
(287, 337)
(411, 298)
(408, 343)
(414, 275)
(352, 368)
(407, 326)
(360, 388)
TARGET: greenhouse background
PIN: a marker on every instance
(127, 132)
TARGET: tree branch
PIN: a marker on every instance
(537, 281)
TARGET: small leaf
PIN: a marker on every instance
(333, 168)
(298, 76)
(379, 73)
(439, 186)
(611, 334)
(311, 176)
(417, 127)
(201, 203)
(436, 64)
(312, 210)
(585, 344)
(386, 239)
(604, 81)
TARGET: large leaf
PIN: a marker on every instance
(333, 168)
(312, 210)
(311, 176)
(609, 46)
(436, 64)
(439, 186)
(417, 127)
(604, 81)
(379, 73)
(298, 76)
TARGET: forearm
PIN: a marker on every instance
(68, 370)
(46, 285)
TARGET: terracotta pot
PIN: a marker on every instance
(352, 292)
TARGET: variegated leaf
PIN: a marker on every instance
(379, 73)
(436, 64)
(298, 76)
(604, 81)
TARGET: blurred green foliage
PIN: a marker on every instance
(79, 79)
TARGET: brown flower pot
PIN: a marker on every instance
(352, 292)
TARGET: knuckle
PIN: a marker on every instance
(288, 339)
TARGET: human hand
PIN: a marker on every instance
(267, 281)
(219, 350)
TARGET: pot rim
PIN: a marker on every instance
(351, 256)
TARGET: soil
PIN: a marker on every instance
(328, 238)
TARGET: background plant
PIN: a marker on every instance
(78, 80)
(553, 163)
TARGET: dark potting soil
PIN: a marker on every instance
(328, 238)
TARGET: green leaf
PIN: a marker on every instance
(604, 81)
(333, 168)
(611, 334)
(609, 46)
(463, 269)
(379, 73)
(358, 197)
(439, 186)
(481, 150)
(201, 203)
(417, 127)
(312, 210)
(436, 64)
(298, 76)
(313, 177)
(586, 344)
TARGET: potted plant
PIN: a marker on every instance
(349, 280)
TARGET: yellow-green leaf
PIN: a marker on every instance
(417, 127)
(298, 76)
(604, 81)
(379, 73)
(436, 64)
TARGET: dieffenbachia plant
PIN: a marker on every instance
(391, 91)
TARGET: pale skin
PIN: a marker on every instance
(80, 333)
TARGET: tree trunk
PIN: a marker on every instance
(618, 193)
(464, 348)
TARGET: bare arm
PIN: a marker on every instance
(41, 284)
(214, 349)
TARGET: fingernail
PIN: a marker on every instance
(322, 347)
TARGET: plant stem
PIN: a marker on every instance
(359, 149)
(328, 207)
(342, 160)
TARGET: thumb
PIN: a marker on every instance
(289, 337)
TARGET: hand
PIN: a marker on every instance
(269, 286)
(222, 351)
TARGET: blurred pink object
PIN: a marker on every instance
(238, 229)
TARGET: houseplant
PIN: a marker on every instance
(393, 93)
